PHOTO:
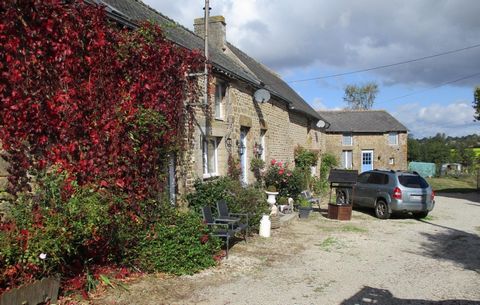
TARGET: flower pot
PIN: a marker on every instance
(271, 197)
(303, 212)
(340, 211)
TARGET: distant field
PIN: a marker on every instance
(453, 184)
(477, 151)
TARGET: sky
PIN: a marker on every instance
(308, 41)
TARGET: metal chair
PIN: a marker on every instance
(234, 218)
(218, 229)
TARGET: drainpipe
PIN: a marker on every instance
(207, 16)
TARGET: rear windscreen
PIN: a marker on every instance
(412, 181)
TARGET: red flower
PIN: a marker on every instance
(273, 162)
(204, 239)
(280, 164)
(281, 171)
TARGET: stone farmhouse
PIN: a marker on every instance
(239, 126)
(366, 139)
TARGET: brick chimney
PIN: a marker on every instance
(216, 31)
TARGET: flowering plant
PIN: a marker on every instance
(287, 182)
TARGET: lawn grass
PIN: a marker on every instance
(464, 184)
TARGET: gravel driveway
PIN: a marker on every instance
(321, 261)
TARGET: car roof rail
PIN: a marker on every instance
(416, 173)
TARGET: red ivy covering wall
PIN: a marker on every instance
(104, 105)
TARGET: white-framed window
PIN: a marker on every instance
(220, 96)
(393, 138)
(263, 143)
(210, 156)
(346, 159)
(347, 139)
(391, 161)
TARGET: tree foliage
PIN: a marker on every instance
(476, 103)
(361, 97)
(442, 149)
(101, 104)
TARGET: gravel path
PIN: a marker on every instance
(321, 261)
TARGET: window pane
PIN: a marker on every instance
(347, 139)
(349, 159)
(204, 156)
(393, 138)
(412, 181)
(211, 156)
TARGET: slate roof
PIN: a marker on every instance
(361, 121)
(274, 84)
(133, 11)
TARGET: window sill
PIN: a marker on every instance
(209, 176)
(219, 118)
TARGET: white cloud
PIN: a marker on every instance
(348, 35)
(319, 104)
(454, 119)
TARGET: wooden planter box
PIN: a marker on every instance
(340, 212)
(38, 292)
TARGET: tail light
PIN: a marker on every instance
(432, 197)
(397, 193)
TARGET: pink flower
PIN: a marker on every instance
(281, 171)
(273, 162)
(280, 164)
(289, 174)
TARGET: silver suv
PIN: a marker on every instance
(389, 192)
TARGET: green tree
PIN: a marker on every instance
(476, 103)
(360, 97)
(413, 149)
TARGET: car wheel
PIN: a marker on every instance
(341, 197)
(381, 209)
(420, 214)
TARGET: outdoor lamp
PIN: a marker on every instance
(258, 149)
(241, 147)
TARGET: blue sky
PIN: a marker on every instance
(314, 38)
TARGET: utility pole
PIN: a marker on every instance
(207, 17)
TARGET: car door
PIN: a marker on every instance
(360, 189)
(372, 188)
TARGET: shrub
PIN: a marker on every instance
(256, 166)
(207, 193)
(320, 185)
(305, 158)
(271, 188)
(45, 233)
(239, 199)
(249, 200)
(178, 245)
(287, 182)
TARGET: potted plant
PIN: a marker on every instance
(304, 207)
(272, 193)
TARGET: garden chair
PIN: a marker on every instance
(221, 230)
(235, 218)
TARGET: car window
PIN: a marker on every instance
(363, 178)
(378, 178)
(412, 181)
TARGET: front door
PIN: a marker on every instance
(367, 160)
(243, 157)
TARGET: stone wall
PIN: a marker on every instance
(382, 151)
(284, 130)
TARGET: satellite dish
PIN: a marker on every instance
(321, 124)
(261, 96)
